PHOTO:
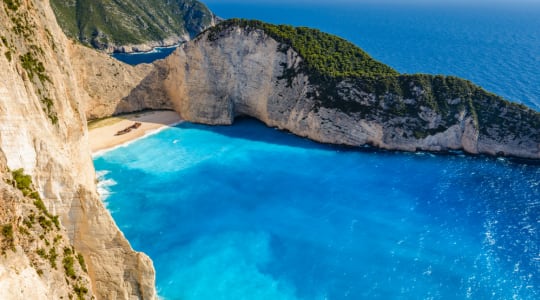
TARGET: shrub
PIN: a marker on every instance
(44, 222)
(22, 181)
(24, 231)
(80, 258)
(9, 238)
(40, 205)
(41, 252)
(12, 4)
(55, 221)
(52, 257)
(57, 238)
(68, 266)
(7, 231)
(80, 291)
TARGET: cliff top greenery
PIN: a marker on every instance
(101, 22)
(324, 53)
(329, 60)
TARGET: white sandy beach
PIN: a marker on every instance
(102, 133)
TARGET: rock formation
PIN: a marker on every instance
(127, 26)
(238, 68)
(58, 240)
(43, 132)
(109, 87)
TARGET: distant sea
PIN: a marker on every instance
(495, 46)
(249, 212)
(144, 57)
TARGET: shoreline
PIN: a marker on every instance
(153, 50)
(101, 133)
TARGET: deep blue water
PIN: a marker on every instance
(247, 212)
(495, 46)
(144, 57)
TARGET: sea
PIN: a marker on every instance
(144, 57)
(251, 212)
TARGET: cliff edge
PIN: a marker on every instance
(58, 240)
(322, 87)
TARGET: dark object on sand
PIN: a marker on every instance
(128, 129)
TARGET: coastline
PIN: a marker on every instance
(101, 133)
(152, 50)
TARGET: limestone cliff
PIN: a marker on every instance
(43, 132)
(242, 68)
(109, 87)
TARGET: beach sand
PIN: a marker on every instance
(102, 133)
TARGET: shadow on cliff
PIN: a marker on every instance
(149, 94)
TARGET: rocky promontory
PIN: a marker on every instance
(324, 88)
(127, 26)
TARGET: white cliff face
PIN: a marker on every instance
(241, 72)
(19, 280)
(43, 131)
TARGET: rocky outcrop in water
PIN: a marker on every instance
(54, 214)
(241, 69)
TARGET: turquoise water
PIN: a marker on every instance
(249, 212)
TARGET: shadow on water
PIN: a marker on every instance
(252, 132)
(425, 198)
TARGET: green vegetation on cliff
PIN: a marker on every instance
(323, 53)
(100, 23)
(39, 234)
(414, 97)
(21, 27)
(347, 78)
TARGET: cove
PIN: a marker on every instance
(249, 212)
(144, 57)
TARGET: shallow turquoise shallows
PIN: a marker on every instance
(249, 212)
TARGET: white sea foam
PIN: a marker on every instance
(104, 186)
(101, 174)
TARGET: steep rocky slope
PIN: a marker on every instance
(107, 84)
(260, 70)
(128, 26)
(43, 134)
(37, 259)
